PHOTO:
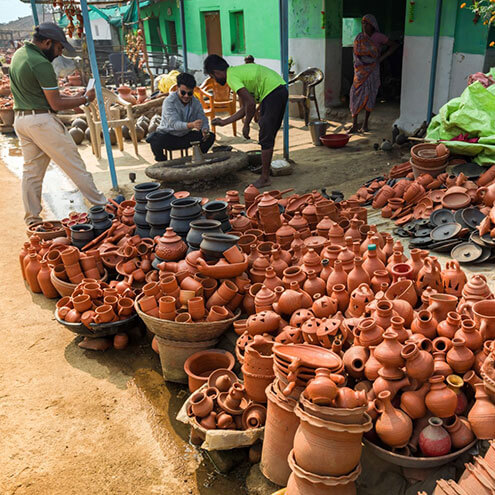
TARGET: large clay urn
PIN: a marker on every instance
(328, 448)
(482, 414)
(394, 427)
(441, 401)
(484, 316)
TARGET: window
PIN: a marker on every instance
(171, 36)
(237, 39)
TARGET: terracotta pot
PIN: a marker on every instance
(359, 300)
(380, 277)
(388, 354)
(372, 365)
(293, 274)
(453, 278)
(31, 271)
(449, 326)
(484, 316)
(397, 325)
(440, 400)
(470, 334)
(413, 402)
(460, 357)
(425, 324)
(403, 289)
(44, 281)
(441, 305)
(200, 365)
(394, 427)
(347, 398)
(218, 313)
(460, 431)
(258, 357)
(321, 390)
(340, 295)
(355, 359)
(419, 363)
(280, 428)
(264, 322)
(338, 276)
(430, 275)
(434, 440)
(327, 448)
(481, 415)
(369, 333)
(324, 306)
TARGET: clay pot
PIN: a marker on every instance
(404, 289)
(31, 271)
(484, 316)
(324, 306)
(372, 262)
(293, 274)
(264, 299)
(460, 357)
(338, 276)
(430, 275)
(434, 440)
(448, 327)
(470, 334)
(347, 398)
(394, 427)
(218, 313)
(355, 359)
(359, 300)
(380, 277)
(459, 430)
(441, 401)
(413, 402)
(368, 332)
(425, 324)
(453, 278)
(481, 415)
(263, 322)
(419, 363)
(201, 404)
(196, 308)
(358, 275)
(372, 365)
(397, 325)
(200, 365)
(441, 305)
(321, 390)
(340, 295)
(44, 281)
(327, 448)
(388, 354)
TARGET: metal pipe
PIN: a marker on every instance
(434, 59)
(99, 94)
(284, 62)
(183, 29)
(35, 12)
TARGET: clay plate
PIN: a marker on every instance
(456, 200)
(441, 216)
(445, 231)
(310, 356)
(475, 237)
(459, 218)
(467, 252)
(472, 217)
(485, 256)
(470, 170)
(444, 246)
(437, 195)
(404, 220)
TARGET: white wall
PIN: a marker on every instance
(463, 65)
(101, 29)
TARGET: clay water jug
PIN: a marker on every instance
(368, 332)
(434, 440)
(453, 278)
(397, 326)
(388, 248)
(460, 357)
(425, 324)
(459, 430)
(441, 305)
(416, 262)
(383, 313)
(271, 279)
(440, 365)
(355, 359)
(413, 402)
(448, 327)
(314, 284)
(388, 353)
(470, 334)
(481, 415)
(372, 261)
(358, 275)
(338, 276)
(441, 401)
(277, 262)
(341, 296)
(22, 256)
(419, 363)
(32, 269)
(372, 365)
(394, 427)
(45, 282)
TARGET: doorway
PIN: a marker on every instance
(213, 32)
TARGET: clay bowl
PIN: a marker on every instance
(52, 234)
(335, 140)
(200, 365)
(99, 330)
(67, 288)
(415, 462)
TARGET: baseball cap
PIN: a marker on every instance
(51, 31)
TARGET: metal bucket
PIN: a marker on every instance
(317, 128)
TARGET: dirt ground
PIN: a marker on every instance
(80, 422)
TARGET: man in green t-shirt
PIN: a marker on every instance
(42, 135)
(254, 84)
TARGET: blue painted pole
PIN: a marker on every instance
(99, 95)
(35, 12)
(183, 30)
(284, 60)
(434, 59)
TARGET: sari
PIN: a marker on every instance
(366, 71)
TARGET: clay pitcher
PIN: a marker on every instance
(481, 415)
(441, 304)
(484, 316)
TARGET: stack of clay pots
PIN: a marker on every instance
(224, 404)
(140, 193)
(429, 158)
(158, 208)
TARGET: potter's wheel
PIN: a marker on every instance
(210, 165)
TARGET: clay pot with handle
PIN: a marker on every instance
(481, 415)
(453, 278)
(484, 316)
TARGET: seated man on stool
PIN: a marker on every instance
(183, 121)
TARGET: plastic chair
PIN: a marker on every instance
(310, 78)
(218, 99)
(112, 103)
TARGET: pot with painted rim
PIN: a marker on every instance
(199, 227)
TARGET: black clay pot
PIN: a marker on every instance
(157, 230)
(143, 189)
(81, 234)
(199, 227)
(159, 200)
(216, 210)
(100, 227)
(142, 231)
(158, 217)
(213, 245)
(186, 208)
(226, 227)
(140, 218)
(181, 225)
(98, 214)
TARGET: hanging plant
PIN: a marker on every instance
(482, 9)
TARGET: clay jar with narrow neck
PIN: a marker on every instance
(425, 324)
(368, 332)
(416, 262)
(419, 363)
(460, 357)
(372, 261)
(338, 276)
(394, 427)
(481, 415)
(341, 296)
(31, 270)
(388, 353)
(441, 401)
(434, 441)
(448, 327)
(314, 284)
(383, 313)
(380, 277)
(459, 430)
(413, 402)
(470, 334)
(397, 325)
(355, 359)
(358, 275)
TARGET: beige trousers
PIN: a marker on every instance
(43, 137)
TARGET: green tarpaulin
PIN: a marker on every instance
(473, 113)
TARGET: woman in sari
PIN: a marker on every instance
(367, 58)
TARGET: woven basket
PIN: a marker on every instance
(47, 235)
(67, 288)
(185, 332)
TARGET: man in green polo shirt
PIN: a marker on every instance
(42, 135)
(254, 84)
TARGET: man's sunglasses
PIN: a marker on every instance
(184, 93)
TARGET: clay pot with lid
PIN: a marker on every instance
(453, 278)
(460, 357)
(425, 324)
(434, 440)
(327, 448)
(394, 427)
(413, 402)
(419, 363)
(476, 289)
(441, 401)
(481, 415)
(170, 246)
